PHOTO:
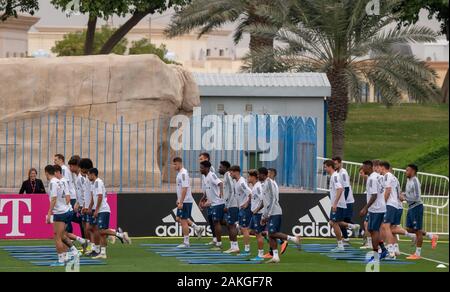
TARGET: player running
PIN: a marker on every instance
(338, 206)
(243, 195)
(213, 190)
(59, 213)
(101, 214)
(348, 194)
(374, 209)
(414, 219)
(272, 215)
(257, 205)
(231, 206)
(184, 199)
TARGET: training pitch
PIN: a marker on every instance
(159, 255)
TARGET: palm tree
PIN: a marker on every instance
(339, 38)
(211, 14)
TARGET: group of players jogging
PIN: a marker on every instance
(78, 195)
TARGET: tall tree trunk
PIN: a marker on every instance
(90, 35)
(122, 32)
(445, 89)
(261, 65)
(338, 109)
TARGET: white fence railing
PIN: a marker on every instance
(435, 193)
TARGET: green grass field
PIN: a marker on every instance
(134, 258)
(401, 134)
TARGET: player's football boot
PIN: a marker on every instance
(126, 238)
(284, 246)
(183, 245)
(356, 228)
(93, 254)
(57, 264)
(267, 256)
(84, 247)
(383, 254)
(434, 241)
(100, 257)
(413, 257)
(257, 259)
(232, 250)
(338, 249)
(273, 261)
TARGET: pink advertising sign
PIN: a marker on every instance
(23, 216)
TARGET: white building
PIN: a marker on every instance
(14, 36)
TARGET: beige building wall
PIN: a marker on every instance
(14, 36)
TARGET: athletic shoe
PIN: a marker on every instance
(198, 230)
(383, 254)
(57, 264)
(232, 250)
(284, 246)
(93, 254)
(183, 245)
(257, 259)
(356, 229)
(338, 249)
(267, 256)
(434, 241)
(120, 231)
(413, 257)
(346, 240)
(211, 243)
(244, 253)
(85, 246)
(273, 261)
(216, 248)
(126, 238)
(100, 257)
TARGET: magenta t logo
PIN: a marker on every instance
(15, 216)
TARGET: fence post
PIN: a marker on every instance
(6, 155)
(121, 155)
(15, 155)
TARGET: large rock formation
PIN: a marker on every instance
(94, 88)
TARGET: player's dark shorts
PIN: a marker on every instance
(375, 221)
(217, 212)
(103, 220)
(93, 221)
(274, 224)
(348, 213)
(245, 216)
(86, 218)
(185, 213)
(232, 215)
(414, 218)
(337, 216)
(393, 215)
(256, 223)
(366, 219)
(65, 218)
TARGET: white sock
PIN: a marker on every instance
(291, 238)
(215, 239)
(351, 226)
(275, 254)
(340, 243)
(118, 234)
(61, 258)
(234, 245)
(260, 253)
(396, 247)
(186, 240)
(81, 240)
(410, 235)
(193, 225)
(390, 248)
(247, 247)
(369, 241)
(429, 235)
(97, 248)
(103, 250)
(74, 250)
(66, 256)
(418, 251)
(219, 243)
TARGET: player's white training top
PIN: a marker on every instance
(257, 197)
(230, 198)
(374, 186)
(242, 191)
(56, 190)
(271, 199)
(335, 184)
(211, 188)
(87, 188)
(390, 181)
(98, 189)
(79, 187)
(183, 181)
(413, 192)
(67, 174)
(346, 184)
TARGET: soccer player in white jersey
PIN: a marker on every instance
(367, 239)
(59, 213)
(414, 221)
(213, 190)
(243, 195)
(348, 194)
(184, 199)
(394, 210)
(102, 214)
(231, 206)
(374, 209)
(257, 205)
(338, 205)
(86, 211)
(272, 214)
(205, 157)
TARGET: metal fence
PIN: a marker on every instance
(435, 193)
(137, 156)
